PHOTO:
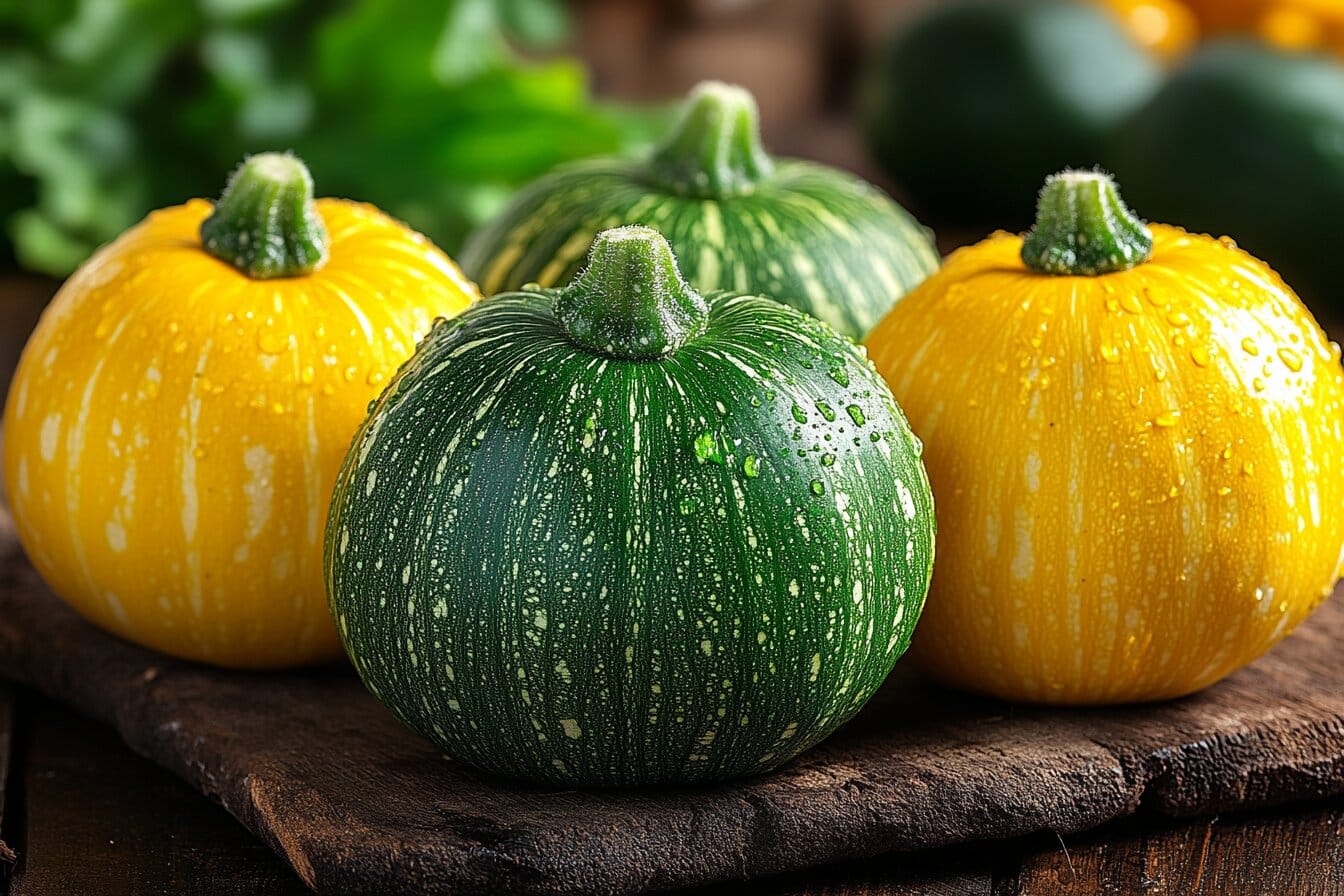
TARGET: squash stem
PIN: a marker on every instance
(631, 302)
(266, 224)
(1084, 228)
(715, 151)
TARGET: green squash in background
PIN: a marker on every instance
(814, 237)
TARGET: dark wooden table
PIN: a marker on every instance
(84, 815)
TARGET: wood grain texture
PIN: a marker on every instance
(1301, 854)
(102, 820)
(7, 717)
(358, 804)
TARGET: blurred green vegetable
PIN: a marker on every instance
(1248, 140)
(110, 108)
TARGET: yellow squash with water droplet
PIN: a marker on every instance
(1139, 474)
(175, 427)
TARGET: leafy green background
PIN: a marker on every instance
(111, 108)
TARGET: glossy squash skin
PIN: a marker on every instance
(814, 237)
(592, 570)
(1140, 474)
(174, 428)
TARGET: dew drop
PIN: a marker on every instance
(1109, 353)
(350, 373)
(375, 378)
(818, 487)
(1291, 359)
(1224, 490)
(1131, 303)
(856, 414)
(826, 411)
(1200, 355)
(1178, 318)
(828, 459)
(1249, 347)
(707, 448)
(1258, 384)
(751, 467)
(799, 414)
(1168, 419)
(839, 374)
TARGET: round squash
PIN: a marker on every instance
(1248, 140)
(178, 417)
(971, 105)
(813, 237)
(1134, 435)
(619, 534)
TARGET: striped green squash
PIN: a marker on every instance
(812, 236)
(621, 535)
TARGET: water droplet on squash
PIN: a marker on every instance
(271, 339)
(1178, 318)
(839, 374)
(1200, 355)
(375, 378)
(350, 373)
(688, 506)
(1291, 359)
(751, 466)
(799, 414)
(1109, 353)
(1227, 242)
(1249, 347)
(1167, 419)
(1224, 491)
(1258, 384)
(307, 375)
(856, 414)
(828, 460)
(826, 411)
(1131, 303)
(707, 448)
(818, 487)
(1248, 469)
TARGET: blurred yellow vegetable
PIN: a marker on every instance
(1165, 27)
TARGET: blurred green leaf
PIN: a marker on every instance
(109, 108)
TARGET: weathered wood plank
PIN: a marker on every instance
(101, 820)
(356, 803)
(1298, 853)
(7, 716)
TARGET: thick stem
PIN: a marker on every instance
(266, 224)
(631, 301)
(1084, 228)
(714, 151)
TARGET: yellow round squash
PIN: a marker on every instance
(177, 419)
(1134, 439)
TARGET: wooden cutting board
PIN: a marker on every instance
(360, 805)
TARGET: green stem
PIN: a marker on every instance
(1084, 228)
(266, 224)
(715, 151)
(631, 301)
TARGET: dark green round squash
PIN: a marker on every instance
(971, 105)
(811, 236)
(619, 534)
(1247, 141)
